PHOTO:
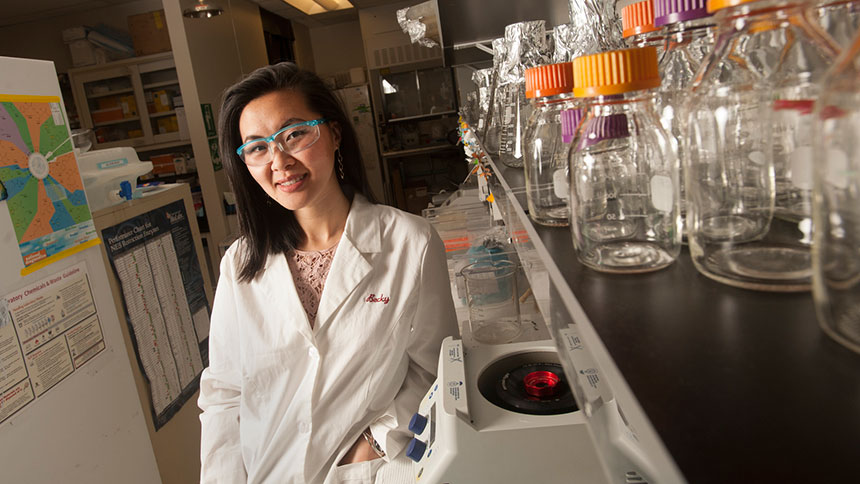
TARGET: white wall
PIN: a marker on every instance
(43, 39)
(337, 48)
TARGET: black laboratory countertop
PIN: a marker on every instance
(741, 386)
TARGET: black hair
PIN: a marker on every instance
(266, 226)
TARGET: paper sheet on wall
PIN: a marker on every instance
(45, 194)
(155, 261)
(48, 330)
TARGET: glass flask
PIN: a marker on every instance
(549, 87)
(638, 29)
(623, 169)
(749, 153)
(525, 47)
(836, 214)
(689, 33)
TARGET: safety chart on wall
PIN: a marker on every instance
(167, 312)
(48, 330)
(44, 191)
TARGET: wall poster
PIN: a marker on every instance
(154, 259)
(48, 330)
(44, 191)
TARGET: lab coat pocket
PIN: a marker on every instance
(358, 472)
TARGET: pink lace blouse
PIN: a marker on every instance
(310, 269)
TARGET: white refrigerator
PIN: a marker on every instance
(360, 111)
(69, 408)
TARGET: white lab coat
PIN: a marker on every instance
(282, 402)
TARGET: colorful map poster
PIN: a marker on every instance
(45, 194)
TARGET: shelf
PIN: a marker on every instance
(117, 121)
(110, 93)
(162, 114)
(161, 146)
(422, 117)
(737, 385)
(419, 151)
(156, 85)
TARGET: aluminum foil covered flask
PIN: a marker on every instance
(836, 214)
(483, 79)
(546, 171)
(525, 45)
(689, 32)
(494, 118)
(749, 154)
(623, 169)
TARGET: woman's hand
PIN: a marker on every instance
(360, 451)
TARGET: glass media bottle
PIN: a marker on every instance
(638, 29)
(549, 87)
(836, 215)
(749, 146)
(689, 33)
(623, 168)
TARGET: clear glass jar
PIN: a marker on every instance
(689, 33)
(624, 182)
(749, 157)
(525, 48)
(836, 214)
(549, 87)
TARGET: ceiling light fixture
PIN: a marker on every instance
(313, 7)
(202, 10)
(327, 4)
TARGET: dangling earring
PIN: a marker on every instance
(339, 158)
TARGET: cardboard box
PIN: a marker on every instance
(83, 52)
(107, 115)
(149, 33)
(163, 164)
(417, 199)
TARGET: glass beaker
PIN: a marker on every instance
(836, 214)
(493, 300)
(526, 47)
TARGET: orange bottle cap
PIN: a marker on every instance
(714, 5)
(549, 80)
(615, 72)
(637, 18)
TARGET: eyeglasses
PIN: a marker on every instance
(290, 140)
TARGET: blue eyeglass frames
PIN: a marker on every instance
(291, 139)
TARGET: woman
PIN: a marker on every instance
(330, 310)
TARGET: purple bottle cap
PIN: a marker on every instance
(604, 128)
(570, 119)
(672, 11)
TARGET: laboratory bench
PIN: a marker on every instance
(736, 385)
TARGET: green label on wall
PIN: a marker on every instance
(208, 120)
(213, 152)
